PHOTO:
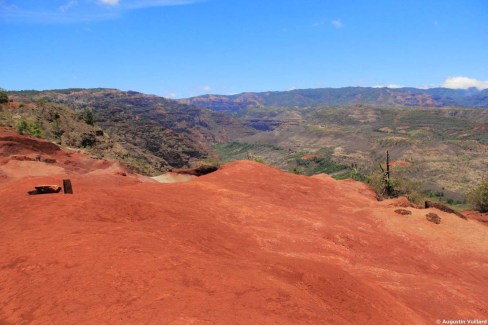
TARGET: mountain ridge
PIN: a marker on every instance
(161, 131)
(408, 96)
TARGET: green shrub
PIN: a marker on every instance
(396, 187)
(351, 174)
(478, 197)
(56, 130)
(211, 161)
(42, 101)
(3, 96)
(87, 116)
(317, 165)
(296, 171)
(21, 126)
(28, 127)
(258, 159)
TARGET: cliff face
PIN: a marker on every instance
(159, 131)
(224, 103)
(245, 244)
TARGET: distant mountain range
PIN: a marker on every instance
(434, 97)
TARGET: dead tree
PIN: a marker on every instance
(388, 189)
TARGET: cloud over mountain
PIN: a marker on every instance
(464, 83)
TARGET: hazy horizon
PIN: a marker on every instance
(184, 48)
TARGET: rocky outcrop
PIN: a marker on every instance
(199, 171)
(433, 217)
(403, 212)
(442, 207)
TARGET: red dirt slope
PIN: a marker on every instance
(24, 156)
(248, 244)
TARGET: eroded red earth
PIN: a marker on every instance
(248, 244)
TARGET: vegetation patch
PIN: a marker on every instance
(28, 127)
(352, 173)
(393, 141)
(478, 197)
(3, 96)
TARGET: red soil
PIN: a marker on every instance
(481, 217)
(481, 127)
(248, 244)
(398, 163)
(24, 156)
(310, 156)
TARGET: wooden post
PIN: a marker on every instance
(68, 188)
(387, 165)
(388, 187)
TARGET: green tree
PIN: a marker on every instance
(478, 197)
(3, 96)
(87, 116)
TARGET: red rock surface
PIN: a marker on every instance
(248, 244)
(400, 163)
(475, 215)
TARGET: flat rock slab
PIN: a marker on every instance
(433, 217)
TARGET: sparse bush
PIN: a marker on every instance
(87, 116)
(258, 159)
(88, 139)
(56, 130)
(377, 182)
(3, 96)
(296, 171)
(478, 197)
(319, 164)
(21, 126)
(42, 101)
(28, 127)
(211, 161)
(351, 174)
(395, 187)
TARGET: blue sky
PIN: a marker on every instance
(181, 48)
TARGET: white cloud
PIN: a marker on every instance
(337, 23)
(206, 88)
(75, 11)
(138, 4)
(464, 83)
(109, 2)
(391, 86)
(67, 6)
(170, 95)
(427, 86)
